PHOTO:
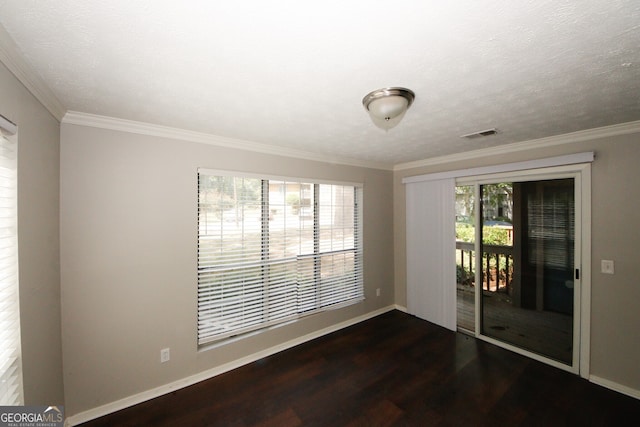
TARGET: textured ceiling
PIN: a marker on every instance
(293, 74)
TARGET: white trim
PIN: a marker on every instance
(401, 308)
(612, 385)
(103, 122)
(580, 235)
(477, 247)
(291, 179)
(12, 58)
(581, 173)
(580, 136)
(570, 159)
(135, 399)
(585, 272)
(555, 172)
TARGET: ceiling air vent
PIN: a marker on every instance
(481, 133)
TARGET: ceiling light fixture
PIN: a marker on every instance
(387, 106)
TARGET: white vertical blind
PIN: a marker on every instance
(10, 354)
(431, 279)
(270, 250)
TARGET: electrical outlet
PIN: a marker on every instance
(165, 355)
(606, 266)
(378, 292)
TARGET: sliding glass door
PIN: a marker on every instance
(528, 239)
(518, 264)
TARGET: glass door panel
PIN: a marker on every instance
(465, 258)
(527, 246)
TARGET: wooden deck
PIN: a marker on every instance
(542, 332)
(392, 370)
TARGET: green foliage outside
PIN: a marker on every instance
(464, 276)
(497, 200)
(293, 200)
(495, 236)
(490, 235)
(465, 232)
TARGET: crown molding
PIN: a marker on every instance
(579, 136)
(142, 128)
(13, 59)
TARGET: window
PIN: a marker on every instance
(10, 363)
(271, 250)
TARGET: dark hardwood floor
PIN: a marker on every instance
(393, 370)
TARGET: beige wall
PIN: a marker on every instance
(38, 207)
(128, 259)
(615, 317)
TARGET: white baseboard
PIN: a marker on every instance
(400, 308)
(127, 402)
(615, 386)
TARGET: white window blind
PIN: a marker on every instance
(10, 354)
(270, 250)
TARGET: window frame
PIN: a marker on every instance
(354, 282)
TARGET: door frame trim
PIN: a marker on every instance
(582, 298)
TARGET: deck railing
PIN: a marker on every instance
(497, 262)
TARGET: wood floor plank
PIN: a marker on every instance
(393, 370)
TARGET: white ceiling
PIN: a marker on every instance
(293, 74)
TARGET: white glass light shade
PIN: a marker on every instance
(387, 106)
